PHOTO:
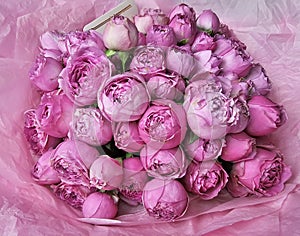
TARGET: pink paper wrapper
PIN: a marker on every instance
(270, 31)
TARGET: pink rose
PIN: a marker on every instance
(264, 175)
(72, 160)
(165, 199)
(202, 42)
(99, 205)
(44, 73)
(84, 74)
(207, 62)
(54, 114)
(163, 125)
(265, 116)
(206, 179)
(43, 172)
(106, 173)
(183, 9)
(164, 164)
(123, 97)
(161, 35)
(208, 20)
(89, 126)
(238, 147)
(120, 34)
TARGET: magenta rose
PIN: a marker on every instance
(135, 178)
(264, 175)
(106, 173)
(208, 20)
(206, 179)
(99, 205)
(239, 115)
(38, 140)
(123, 97)
(238, 147)
(163, 125)
(165, 199)
(183, 9)
(161, 35)
(44, 73)
(164, 164)
(89, 126)
(84, 74)
(72, 159)
(166, 86)
(120, 34)
(54, 114)
(202, 42)
(127, 137)
(43, 172)
(265, 116)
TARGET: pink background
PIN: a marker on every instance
(269, 29)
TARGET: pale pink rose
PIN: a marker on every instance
(202, 42)
(161, 35)
(183, 9)
(208, 20)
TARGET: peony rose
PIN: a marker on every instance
(54, 114)
(166, 86)
(163, 125)
(123, 97)
(239, 115)
(206, 179)
(149, 17)
(164, 164)
(238, 147)
(202, 42)
(120, 34)
(208, 20)
(84, 74)
(44, 73)
(43, 172)
(264, 175)
(135, 178)
(38, 140)
(106, 173)
(161, 35)
(183, 9)
(165, 199)
(89, 126)
(99, 205)
(126, 136)
(72, 159)
(207, 62)
(265, 116)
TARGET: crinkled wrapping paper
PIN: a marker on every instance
(270, 30)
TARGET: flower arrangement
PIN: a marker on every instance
(157, 110)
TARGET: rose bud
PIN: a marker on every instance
(72, 159)
(184, 28)
(89, 126)
(120, 34)
(202, 42)
(208, 20)
(265, 116)
(164, 164)
(74, 195)
(183, 9)
(163, 125)
(106, 173)
(149, 17)
(206, 179)
(166, 86)
(260, 81)
(161, 35)
(44, 73)
(99, 205)
(54, 114)
(123, 97)
(42, 172)
(264, 175)
(165, 199)
(83, 75)
(38, 140)
(238, 147)
(199, 149)
(135, 178)
(148, 60)
(126, 136)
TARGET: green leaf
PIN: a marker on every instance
(193, 137)
(110, 52)
(123, 57)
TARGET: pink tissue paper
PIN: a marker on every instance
(270, 29)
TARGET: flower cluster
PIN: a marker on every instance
(156, 109)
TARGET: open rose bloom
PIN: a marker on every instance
(159, 124)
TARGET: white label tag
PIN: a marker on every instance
(127, 8)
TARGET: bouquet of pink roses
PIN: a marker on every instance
(158, 109)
